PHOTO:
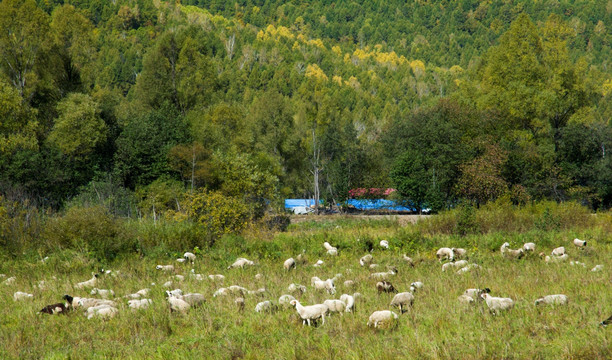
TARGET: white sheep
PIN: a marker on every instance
(136, 304)
(332, 252)
(175, 293)
(216, 277)
(241, 263)
(510, 253)
(177, 304)
(465, 299)
(190, 256)
(102, 311)
(416, 285)
(318, 263)
(402, 300)
(168, 284)
(193, 299)
(384, 244)
(328, 246)
(86, 303)
(312, 312)
(181, 260)
(259, 276)
(338, 306)
(239, 303)
(475, 293)
(574, 263)
(529, 246)
(327, 285)
(265, 306)
(560, 251)
(193, 275)
(497, 304)
(557, 299)
(289, 264)
(165, 268)
(556, 259)
(104, 293)
(467, 268)
(459, 253)
(349, 300)
(365, 260)
(382, 317)
(237, 290)
(293, 288)
(258, 292)
(373, 266)
(408, 260)
(87, 284)
(285, 300)
(597, 268)
(382, 275)
(457, 264)
(18, 296)
(445, 253)
(580, 243)
(349, 284)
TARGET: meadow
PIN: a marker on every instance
(437, 327)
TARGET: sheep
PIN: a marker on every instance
(18, 296)
(496, 304)
(408, 260)
(102, 311)
(556, 259)
(293, 288)
(332, 252)
(285, 300)
(401, 300)
(458, 264)
(560, 251)
(385, 286)
(181, 260)
(259, 276)
(384, 244)
(175, 292)
(365, 260)
(467, 268)
(573, 263)
(221, 292)
(238, 290)
(328, 246)
(301, 258)
(165, 268)
(475, 293)
(349, 284)
(529, 246)
(382, 317)
(465, 299)
(88, 284)
(241, 263)
(9, 281)
(136, 304)
(178, 304)
(193, 275)
(312, 312)
(193, 299)
(217, 277)
(416, 285)
(510, 253)
(606, 322)
(179, 278)
(382, 275)
(558, 299)
(258, 292)
(327, 285)
(318, 263)
(289, 264)
(373, 266)
(459, 253)
(190, 256)
(349, 300)
(86, 303)
(445, 253)
(580, 243)
(239, 303)
(168, 284)
(265, 306)
(59, 308)
(105, 294)
(338, 306)
(597, 268)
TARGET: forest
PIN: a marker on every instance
(158, 108)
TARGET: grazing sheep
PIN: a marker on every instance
(529, 246)
(175, 292)
(465, 299)
(165, 268)
(459, 253)
(382, 275)
(168, 284)
(318, 263)
(373, 266)
(181, 260)
(402, 300)
(327, 285)
(289, 264)
(332, 252)
(59, 308)
(139, 304)
(408, 260)
(239, 303)
(382, 317)
(238, 290)
(475, 293)
(510, 253)
(560, 251)
(597, 268)
(18, 296)
(88, 284)
(221, 292)
(384, 244)
(86, 303)
(580, 243)
(416, 285)
(190, 256)
(102, 312)
(558, 299)
(179, 278)
(573, 263)
(328, 246)
(606, 322)
(105, 294)
(285, 300)
(258, 292)
(265, 306)
(458, 264)
(385, 286)
(193, 275)
(241, 263)
(178, 304)
(293, 288)
(496, 304)
(217, 277)
(349, 300)
(365, 260)
(338, 306)
(445, 253)
(301, 258)
(467, 268)
(349, 284)
(193, 299)
(9, 281)
(312, 312)
(556, 259)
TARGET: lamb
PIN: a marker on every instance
(597, 268)
(385, 286)
(165, 268)
(349, 300)
(190, 256)
(365, 260)
(293, 288)
(139, 304)
(332, 252)
(217, 277)
(327, 285)
(560, 251)
(403, 299)
(105, 294)
(285, 300)
(241, 263)
(382, 317)
(312, 312)
(102, 311)
(445, 253)
(328, 246)
(289, 264)
(384, 244)
(18, 296)
(89, 283)
(59, 308)
(335, 306)
(580, 243)
(265, 306)
(558, 299)
(258, 292)
(459, 252)
(496, 304)
(178, 304)
(465, 299)
(529, 246)
(510, 253)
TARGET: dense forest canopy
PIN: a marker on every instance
(134, 104)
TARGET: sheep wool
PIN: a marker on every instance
(19, 296)
(349, 300)
(560, 251)
(289, 264)
(496, 304)
(384, 244)
(386, 317)
(365, 260)
(338, 306)
(403, 300)
(580, 243)
(139, 304)
(557, 299)
(241, 263)
(529, 247)
(310, 313)
(166, 268)
(445, 253)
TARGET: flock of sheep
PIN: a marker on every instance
(106, 305)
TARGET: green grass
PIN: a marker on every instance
(438, 327)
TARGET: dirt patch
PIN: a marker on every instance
(401, 219)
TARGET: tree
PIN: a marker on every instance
(481, 179)
(410, 177)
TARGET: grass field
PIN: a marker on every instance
(437, 327)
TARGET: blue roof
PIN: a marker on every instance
(291, 203)
(378, 204)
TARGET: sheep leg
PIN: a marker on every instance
(323, 317)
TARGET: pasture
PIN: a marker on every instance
(438, 326)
